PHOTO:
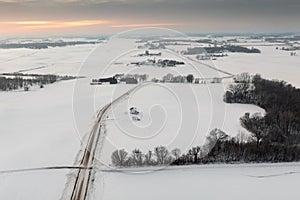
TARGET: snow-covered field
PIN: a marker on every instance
(38, 128)
(232, 182)
(173, 115)
(46, 127)
(56, 60)
(271, 63)
(46, 185)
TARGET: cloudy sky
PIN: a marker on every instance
(111, 16)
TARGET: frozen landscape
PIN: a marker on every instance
(50, 126)
(269, 181)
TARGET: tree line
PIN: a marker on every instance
(158, 157)
(221, 49)
(218, 148)
(15, 81)
(44, 45)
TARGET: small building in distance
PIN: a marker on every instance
(203, 57)
(159, 63)
(110, 80)
(147, 53)
(216, 80)
(134, 111)
(129, 80)
(136, 115)
(121, 79)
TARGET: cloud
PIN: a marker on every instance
(18, 1)
(46, 2)
(201, 15)
(30, 22)
(143, 25)
(54, 24)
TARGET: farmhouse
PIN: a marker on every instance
(110, 80)
(147, 53)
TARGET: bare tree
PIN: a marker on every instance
(137, 157)
(176, 153)
(162, 155)
(216, 135)
(243, 137)
(195, 152)
(242, 78)
(190, 78)
(287, 125)
(256, 125)
(118, 158)
(148, 158)
(168, 78)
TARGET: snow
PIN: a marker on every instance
(48, 127)
(235, 182)
(174, 115)
(33, 126)
(56, 60)
(47, 185)
(271, 63)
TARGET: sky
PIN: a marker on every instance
(88, 17)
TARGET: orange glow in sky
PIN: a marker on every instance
(29, 22)
(8, 27)
(53, 24)
(27, 26)
(141, 25)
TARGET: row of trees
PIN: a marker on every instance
(44, 45)
(232, 151)
(170, 78)
(221, 49)
(218, 148)
(159, 156)
(23, 81)
(162, 156)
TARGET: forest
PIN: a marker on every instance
(281, 101)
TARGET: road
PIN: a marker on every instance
(84, 174)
